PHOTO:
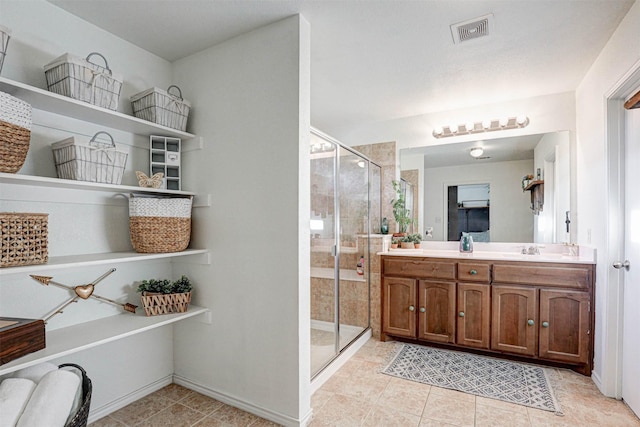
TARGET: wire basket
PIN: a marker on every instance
(94, 162)
(84, 80)
(155, 304)
(81, 417)
(15, 132)
(159, 224)
(25, 238)
(161, 107)
(5, 35)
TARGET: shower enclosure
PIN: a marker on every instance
(345, 207)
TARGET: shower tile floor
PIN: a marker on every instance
(359, 395)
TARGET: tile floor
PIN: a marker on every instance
(359, 395)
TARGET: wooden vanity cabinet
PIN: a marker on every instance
(536, 310)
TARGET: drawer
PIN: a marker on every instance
(565, 276)
(474, 272)
(420, 268)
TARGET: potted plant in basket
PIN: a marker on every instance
(163, 296)
(406, 242)
(401, 214)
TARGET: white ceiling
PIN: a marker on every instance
(377, 60)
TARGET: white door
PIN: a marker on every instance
(631, 323)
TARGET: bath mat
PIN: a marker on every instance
(513, 382)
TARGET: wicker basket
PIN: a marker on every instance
(155, 304)
(81, 417)
(159, 224)
(5, 35)
(15, 132)
(93, 162)
(84, 80)
(161, 107)
(24, 239)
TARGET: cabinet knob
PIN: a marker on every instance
(472, 272)
(411, 308)
(461, 314)
(530, 322)
(545, 324)
(422, 309)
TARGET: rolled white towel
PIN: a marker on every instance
(35, 372)
(51, 401)
(14, 395)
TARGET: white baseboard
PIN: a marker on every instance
(97, 413)
(275, 417)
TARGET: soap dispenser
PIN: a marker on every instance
(360, 266)
(466, 243)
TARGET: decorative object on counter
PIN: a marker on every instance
(164, 297)
(161, 107)
(159, 224)
(519, 383)
(406, 242)
(400, 212)
(84, 80)
(466, 243)
(5, 35)
(154, 181)
(360, 266)
(164, 156)
(15, 132)
(19, 337)
(25, 238)
(395, 243)
(384, 228)
(81, 291)
(416, 238)
(94, 162)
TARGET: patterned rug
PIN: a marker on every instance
(513, 382)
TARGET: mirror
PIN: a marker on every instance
(526, 182)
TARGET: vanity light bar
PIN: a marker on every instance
(480, 127)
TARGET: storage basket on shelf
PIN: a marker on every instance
(5, 35)
(15, 132)
(155, 304)
(24, 238)
(159, 224)
(94, 161)
(84, 80)
(161, 107)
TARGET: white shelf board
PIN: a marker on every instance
(64, 341)
(83, 260)
(48, 101)
(43, 181)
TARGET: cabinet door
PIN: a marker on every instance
(437, 311)
(514, 320)
(564, 325)
(399, 307)
(474, 306)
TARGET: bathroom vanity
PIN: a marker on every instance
(538, 308)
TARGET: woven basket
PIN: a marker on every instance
(93, 162)
(155, 304)
(161, 107)
(15, 132)
(81, 417)
(24, 239)
(5, 35)
(84, 80)
(159, 224)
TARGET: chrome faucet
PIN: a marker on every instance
(531, 250)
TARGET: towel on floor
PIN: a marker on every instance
(35, 372)
(51, 401)
(14, 395)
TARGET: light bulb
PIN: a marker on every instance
(503, 122)
(521, 120)
(476, 152)
(453, 128)
(438, 130)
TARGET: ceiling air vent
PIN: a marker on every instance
(472, 29)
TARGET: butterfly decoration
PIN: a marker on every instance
(154, 181)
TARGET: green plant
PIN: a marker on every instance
(400, 212)
(395, 241)
(416, 237)
(164, 286)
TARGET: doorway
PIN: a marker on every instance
(468, 211)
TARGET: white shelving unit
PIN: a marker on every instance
(164, 156)
(85, 335)
(64, 341)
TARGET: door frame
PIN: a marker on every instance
(613, 312)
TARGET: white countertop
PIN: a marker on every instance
(498, 252)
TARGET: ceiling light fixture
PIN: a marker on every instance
(505, 123)
(476, 152)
